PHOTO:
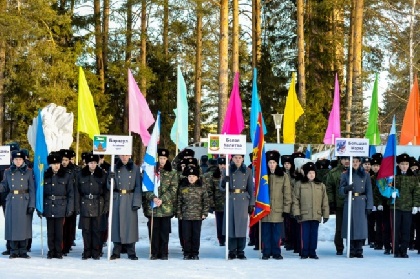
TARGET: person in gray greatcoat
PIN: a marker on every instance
(127, 201)
(241, 203)
(18, 180)
(58, 203)
(362, 203)
(92, 200)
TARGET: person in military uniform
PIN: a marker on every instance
(69, 227)
(204, 163)
(13, 146)
(310, 204)
(322, 169)
(193, 207)
(336, 200)
(405, 204)
(217, 197)
(367, 166)
(58, 203)
(167, 183)
(127, 201)
(18, 181)
(290, 238)
(362, 204)
(93, 202)
(241, 203)
(280, 191)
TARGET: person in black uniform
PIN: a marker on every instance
(93, 202)
(58, 203)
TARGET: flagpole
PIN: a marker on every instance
(349, 208)
(111, 205)
(227, 207)
(77, 148)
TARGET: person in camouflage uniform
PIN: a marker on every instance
(163, 206)
(193, 207)
(405, 204)
(217, 198)
(336, 202)
(322, 169)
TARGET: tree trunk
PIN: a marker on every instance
(412, 22)
(301, 53)
(198, 71)
(105, 34)
(223, 62)
(143, 40)
(349, 71)
(2, 75)
(98, 45)
(357, 70)
(235, 37)
(256, 32)
(166, 28)
(128, 56)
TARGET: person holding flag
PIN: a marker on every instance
(241, 203)
(310, 205)
(167, 186)
(280, 192)
(18, 180)
(58, 203)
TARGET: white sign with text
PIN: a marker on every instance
(112, 145)
(352, 147)
(226, 144)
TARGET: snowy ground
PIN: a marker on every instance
(211, 264)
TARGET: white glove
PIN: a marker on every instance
(394, 195)
(374, 208)
(380, 208)
(415, 210)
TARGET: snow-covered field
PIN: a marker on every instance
(211, 264)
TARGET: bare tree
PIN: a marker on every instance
(198, 72)
(301, 52)
(223, 61)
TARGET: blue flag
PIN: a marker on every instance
(40, 163)
(255, 108)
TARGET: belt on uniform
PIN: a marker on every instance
(123, 191)
(358, 194)
(53, 198)
(91, 197)
(237, 191)
(17, 192)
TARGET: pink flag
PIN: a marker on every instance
(140, 117)
(334, 130)
(234, 120)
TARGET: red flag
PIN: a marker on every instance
(234, 119)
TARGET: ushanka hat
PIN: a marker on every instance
(272, 155)
(191, 171)
(403, 158)
(54, 158)
(90, 157)
(163, 152)
(310, 166)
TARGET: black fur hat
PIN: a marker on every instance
(191, 171)
(286, 159)
(403, 158)
(90, 157)
(310, 166)
(54, 158)
(375, 161)
(272, 155)
(163, 152)
(322, 164)
(221, 161)
(67, 153)
(17, 154)
(366, 160)
(190, 161)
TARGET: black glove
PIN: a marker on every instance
(69, 213)
(112, 174)
(250, 209)
(30, 210)
(135, 208)
(285, 215)
(325, 220)
(211, 209)
(298, 217)
(39, 214)
(348, 188)
(368, 211)
(217, 173)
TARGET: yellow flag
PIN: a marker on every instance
(292, 111)
(87, 121)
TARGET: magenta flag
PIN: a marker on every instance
(140, 117)
(334, 128)
(234, 120)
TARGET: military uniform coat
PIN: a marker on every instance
(409, 191)
(240, 180)
(333, 186)
(310, 200)
(216, 196)
(362, 187)
(280, 196)
(58, 193)
(17, 222)
(193, 201)
(124, 219)
(93, 194)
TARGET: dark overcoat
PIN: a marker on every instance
(58, 193)
(19, 182)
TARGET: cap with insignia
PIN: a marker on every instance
(84, 154)
(375, 161)
(13, 146)
(66, 153)
(366, 160)
(54, 158)
(221, 161)
(286, 159)
(272, 155)
(298, 155)
(403, 158)
(310, 166)
(17, 154)
(322, 164)
(191, 171)
(90, 157)
(378, 156)
(191, 161)
(163, 152)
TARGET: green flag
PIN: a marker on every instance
(372, 132)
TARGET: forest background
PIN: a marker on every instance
(42, 42)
